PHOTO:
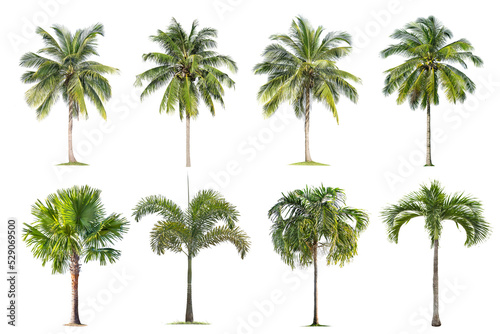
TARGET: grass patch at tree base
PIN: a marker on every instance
(188, 323)
(75, 325)
(72, 164)
(308, 163)
(317, 325)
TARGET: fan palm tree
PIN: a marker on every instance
(316, 219)
(435, 206)
(71, 225)
(67, 72)
(190, 70)
(193, 230)
(429, 66)
(302, 68)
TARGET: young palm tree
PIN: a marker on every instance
(429, 66)
(433, 204)
(316, 219)
(69, 73)
(192, 230)
(302, 68)
(190, 70)
(72, 225)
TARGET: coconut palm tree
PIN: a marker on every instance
(305, 222)
(193, 230)
(190, 70)
(429, 66)
(435, 206)
(301, 68)
(67, 72)
(71, 225)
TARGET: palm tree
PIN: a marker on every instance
(429, 66)
(71, 225)
(316, 219)
(190, 231)
(302, 66)
(436, 207)
(190, 69)
(69, 73)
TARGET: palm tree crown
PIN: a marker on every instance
(430, 64)
(437, 207)
(73, 222)
(67, 72)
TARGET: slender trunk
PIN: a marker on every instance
(75, 273)
(435, 287)
(428, 161)
(315, 260)
(188, 140)
(189, 304)
(71, 157)
(306, 127)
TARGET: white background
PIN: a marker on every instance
(374, 155)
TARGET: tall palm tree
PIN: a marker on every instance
(316, 219)
(301, 67)
(193, 230)
(67, 72)
(71, 225)
(435, 206)
(190, 70)
(429, 66)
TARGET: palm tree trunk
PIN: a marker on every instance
(428, 161)
(189, 304)
(306, 127)
(71, 156)
(75, 273)
(315, 259)
(188, 140)
(435, 287)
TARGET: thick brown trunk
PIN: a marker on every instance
(315, 261)
(306, 127)
(189, 304)
(71, 156)
(436, 322)
(75, 273)
(428, 161)
(188, 140)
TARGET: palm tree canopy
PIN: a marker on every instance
(73, 221)
(430, 64)
(432, 203)
(62, 68)
(316, 216)
(189, 68)
(196, 228)
(305, 61)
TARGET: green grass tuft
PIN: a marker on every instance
(72, 164)
(318, 325)
(308, 163)
(188, 323)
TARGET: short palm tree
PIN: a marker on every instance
(301, 68)
(190, 70)
(435, 206)
(67, 72)
(316, 219)
(71, 225)
(193, 230)
(429, 67)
